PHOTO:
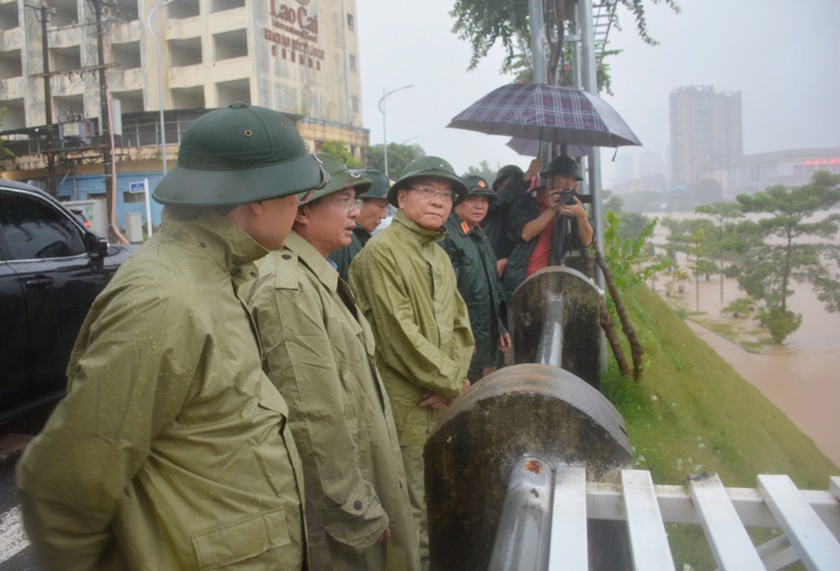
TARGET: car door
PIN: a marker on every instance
(56, 281)
(15, 357)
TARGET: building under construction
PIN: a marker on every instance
(97, 94)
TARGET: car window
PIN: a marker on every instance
(34, 230)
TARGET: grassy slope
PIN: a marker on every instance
(692, 412)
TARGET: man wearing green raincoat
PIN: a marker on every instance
(170, 450)
(406, 289)
(319, 352)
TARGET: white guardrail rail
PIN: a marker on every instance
(809, 521)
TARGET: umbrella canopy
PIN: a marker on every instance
(532, 148)
(547, 113)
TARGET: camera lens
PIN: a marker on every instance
(567, 197)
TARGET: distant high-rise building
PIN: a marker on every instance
(706, 134)
(624, 168)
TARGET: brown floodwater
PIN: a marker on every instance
(801, 377)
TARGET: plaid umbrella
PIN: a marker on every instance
(533, 148)
(547, 113)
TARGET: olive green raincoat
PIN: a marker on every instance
(406, 288)
(319, 351)
(170, 449)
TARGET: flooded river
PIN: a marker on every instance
(801, 377)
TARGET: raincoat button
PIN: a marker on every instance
(358, 505)
(202, 244)
(253, 274)
(286, 256)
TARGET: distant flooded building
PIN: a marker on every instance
(792, 167)
(706, 133)
(182, 56)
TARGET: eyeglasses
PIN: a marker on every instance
(428, 192)
(349, 203)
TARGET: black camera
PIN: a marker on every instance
(568, 195)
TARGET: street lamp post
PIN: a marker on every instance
(160, 79)
(384, 132)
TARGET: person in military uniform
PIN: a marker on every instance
(170, 450)
(318, 350)
(406, 288)
(373, 211)
(475, 271)
(548, 224)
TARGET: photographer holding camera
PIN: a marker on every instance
(550, 224)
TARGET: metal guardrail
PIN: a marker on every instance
(546, 511)
(531, 469)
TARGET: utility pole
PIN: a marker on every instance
(104, 120)
(536, 25)
(51, 185)
(593, 158)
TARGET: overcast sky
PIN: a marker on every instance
(782, 56)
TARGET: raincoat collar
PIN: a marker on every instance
(461, 226)
(213, 232)
(425, 236)
(312, 258)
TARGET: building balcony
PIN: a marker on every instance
(127, 79)
(233, 68)
(124, 32)
(12, 88)
(11, 40)
(69, 37)
(186, 76)
(232, 19)
(182, 28)
(68, 84)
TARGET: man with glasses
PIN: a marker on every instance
(318, 350)
(170, 450)
(373, 211)
(406, 289)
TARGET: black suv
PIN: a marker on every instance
(51, 269)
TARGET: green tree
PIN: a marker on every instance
(632, 225)
(792, 225)
(483, 23)
(612, 202)
(340, 151)
(398, 158)
(723, 213)
(691, 237)
(484, 170)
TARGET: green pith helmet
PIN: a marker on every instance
(237, 155)
(477, 186)
(562, 165)
(504, 173)
(423, 167)
(379, 189)
(341, 177)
